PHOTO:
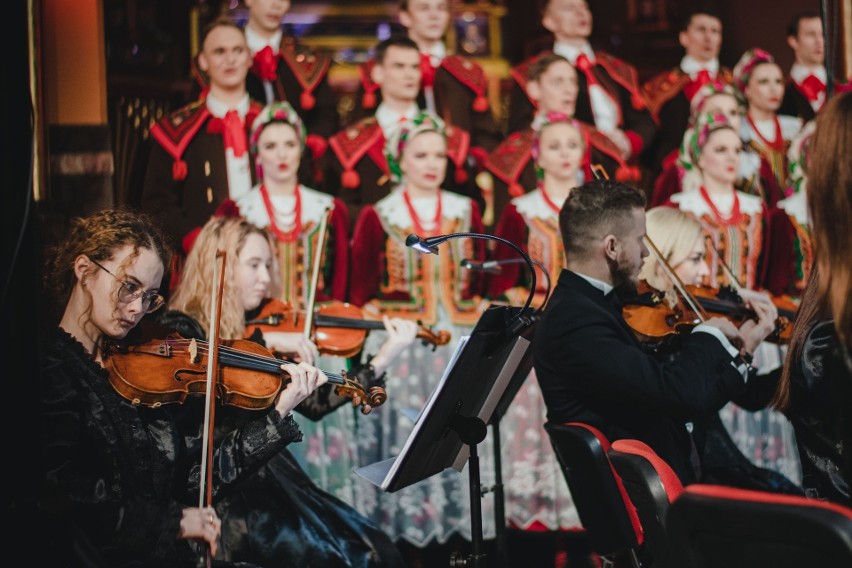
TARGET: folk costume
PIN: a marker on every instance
(669, 96)
(536, 497)
(609, 96)
(453, 87)
(295, 223)
(513, 169)
(769, 138)
(735, 226)
(358, 171)
(199, 158)
(805, 92)
(388, 277)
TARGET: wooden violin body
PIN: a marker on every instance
(651, 317)
(168, 369)
(339, 328)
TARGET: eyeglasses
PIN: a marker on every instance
(130, 291)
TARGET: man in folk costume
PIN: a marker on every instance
(670, 93)
(805, 92)
(452, 86)
(283, 70)
(357, 169)
(552, 84)
(199, 156)
(609, 95)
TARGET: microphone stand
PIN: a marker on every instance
(514, 326)
(493, 267)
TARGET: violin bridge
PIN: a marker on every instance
(193, 350)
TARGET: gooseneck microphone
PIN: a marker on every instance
(493, 267)
(430, 246)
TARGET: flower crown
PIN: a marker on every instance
(696, 137)
(745, 66)
(408, 130)
(703, 95)
(543, 120)
(280, 111)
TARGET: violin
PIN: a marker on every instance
(338, 328)
(167, 369)
(651, 317)
(727, 303)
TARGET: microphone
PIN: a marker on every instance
(493, 267)
(430, 246)
(489, 266)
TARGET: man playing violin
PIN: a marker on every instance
(278, 516)
(590, 365)
(117, 475)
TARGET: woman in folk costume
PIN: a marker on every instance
(734, 223)
(754, 175)
(535, 492)
(387, 277)
(301, 221)
(760, 85)
(792, 221)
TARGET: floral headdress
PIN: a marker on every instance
(798, 155)
(696, 137)
(543, 120)
(703, 94)
(408, 130)
(280, 111)
(745, 67)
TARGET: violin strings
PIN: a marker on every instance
(271, 363)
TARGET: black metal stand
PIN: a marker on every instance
(472, 431)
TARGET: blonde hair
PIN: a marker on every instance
(193, 296)
(674, 233)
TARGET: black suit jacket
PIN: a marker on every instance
(592, 369)
(795, 103)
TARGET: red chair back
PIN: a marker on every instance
(713, 526)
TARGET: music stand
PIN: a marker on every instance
(454, 419)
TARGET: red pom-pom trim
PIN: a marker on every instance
(350, 179)
(317, 145)
(515, 190)
(480, 103)
(179, 170)
(368, 100)
(628, 173)
(189, 239)
(307, 100)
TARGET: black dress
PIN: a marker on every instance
(278, 517)
(117, 475)
(821, 413)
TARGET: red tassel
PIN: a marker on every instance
(637, 101)
(189, 239)
(179, 170)
(307, 100)
(627, 173)
(369, 100)
(317, 145)
(461, 175)
(515, 190)
(350, 179)
(480, 103)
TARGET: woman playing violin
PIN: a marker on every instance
(278, 516)
(118, 475)
(735, 223)
(679, 239)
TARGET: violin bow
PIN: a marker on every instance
(205, 498)
(735, 283)
(675, 279)
(312, 290)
